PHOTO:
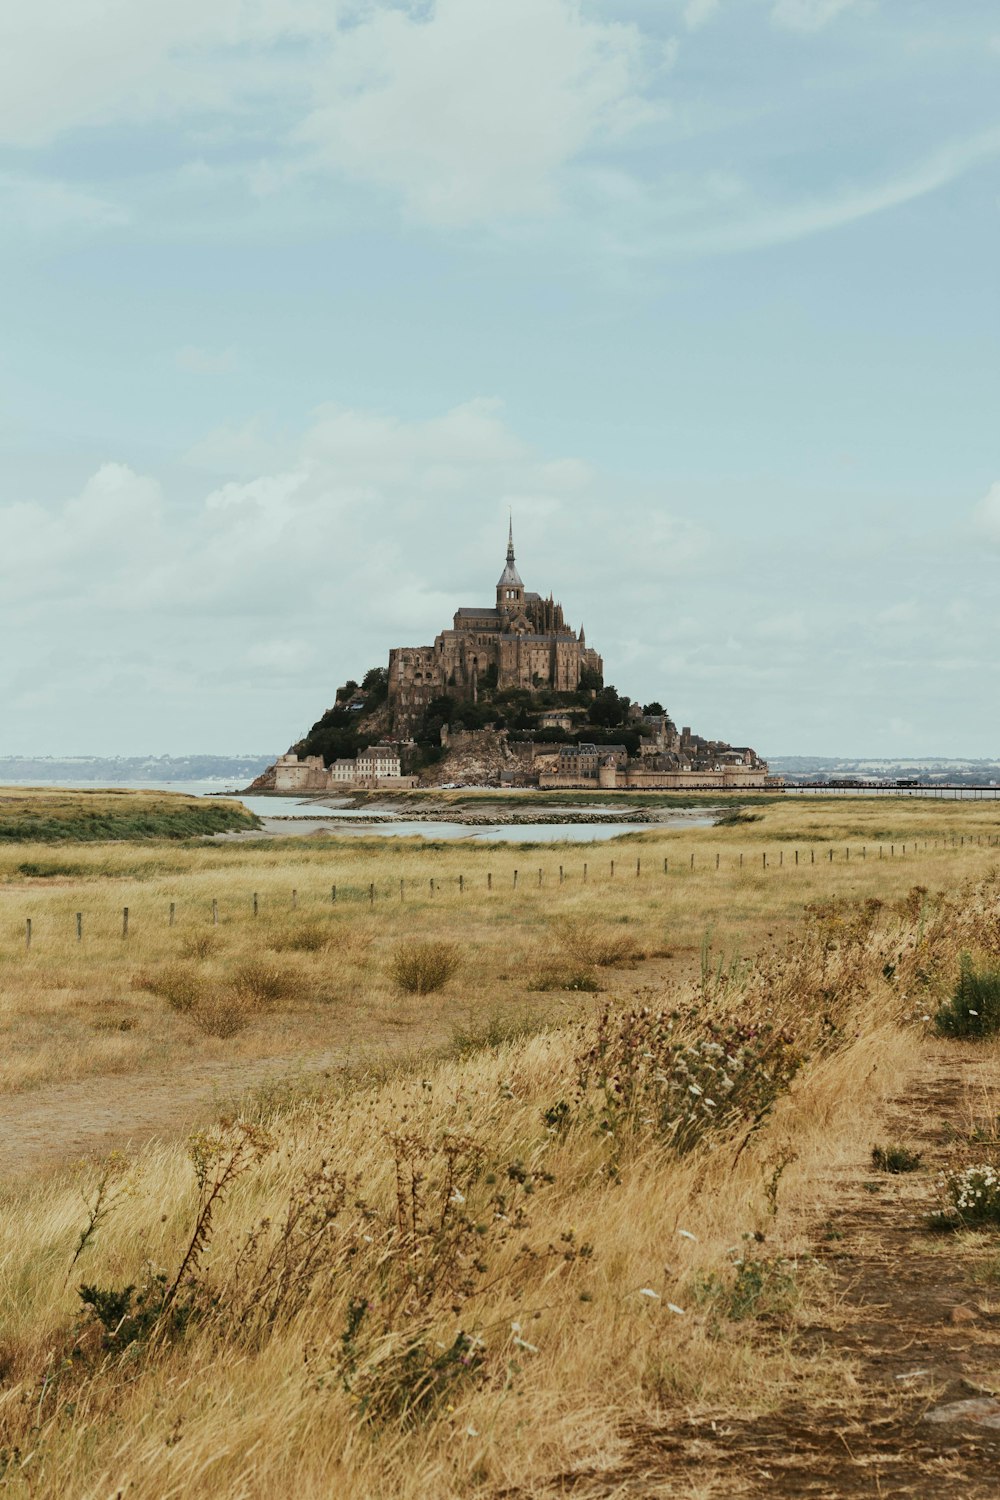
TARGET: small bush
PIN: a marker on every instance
(180, 985)
(974, 1008)
(221, 1014)
(974, 1196)
(420, 968)
(257, 982)
(307, 937)
(554, 977)
(895, 1159)
(200, 945)
(593, 944)
(760, 1288)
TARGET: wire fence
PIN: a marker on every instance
(592, 873)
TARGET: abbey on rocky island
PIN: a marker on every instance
(522, 642)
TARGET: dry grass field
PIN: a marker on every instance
(558, 1211)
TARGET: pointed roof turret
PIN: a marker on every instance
(510, 578)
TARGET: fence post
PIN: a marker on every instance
(124, 921)
(333, 895)
(215, 913)
(585, 872)
(79, 926)
(692, 861)
(515, 880)
(461, 884)
(612, 869)
(371, 894)
(638, 868)
(864, 851)
(847, 853)
(27, 932)
(812, 856)
(892, 851)
(717, 861)
(256, 904)
(539, 877)
(741, 861)
(295, 898)
(400, 890)
(171, 921)
(763, 861)
(831, 856)
(796, 856)
(432, 885)
(560, 874)
(489, 880)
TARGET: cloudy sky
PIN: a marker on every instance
(298, 297)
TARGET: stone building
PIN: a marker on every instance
(377, 767)
(521, 642)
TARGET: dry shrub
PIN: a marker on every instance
(180, 985)
(589, 942)
(256, 982)
(306, 937)
(199, 945)
(221, 1013)
(419, 968)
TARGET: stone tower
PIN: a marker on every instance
(510, 589)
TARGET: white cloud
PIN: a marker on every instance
(697, 12)
(987, 513)
(810, 15)
(96, 62)
(41, 205)
(468, 109)
(723, 216)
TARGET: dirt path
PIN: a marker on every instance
(916, 1321)
(64, 1122)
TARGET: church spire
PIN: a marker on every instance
(510, 540)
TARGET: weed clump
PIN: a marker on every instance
(180, 985)
(974, 1009)
(256, 982)
(420, 968)
(307, 937)
(895, 1159)
(591, 943)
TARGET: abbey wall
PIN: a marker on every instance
(521, 642)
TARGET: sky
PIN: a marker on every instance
(300, 298)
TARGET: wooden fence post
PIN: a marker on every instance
(638, 868)
(401, 890)
(215, 913)
(124, 921)
(256, 904)
(489, 880)
(27, 932)
(371, 894)
(461, 884)
(79, 926)
(515, 880)
(333, 895)
(295, 898)
(171, 921)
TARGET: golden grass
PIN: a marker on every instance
(509, 1260)
(70, 1010)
